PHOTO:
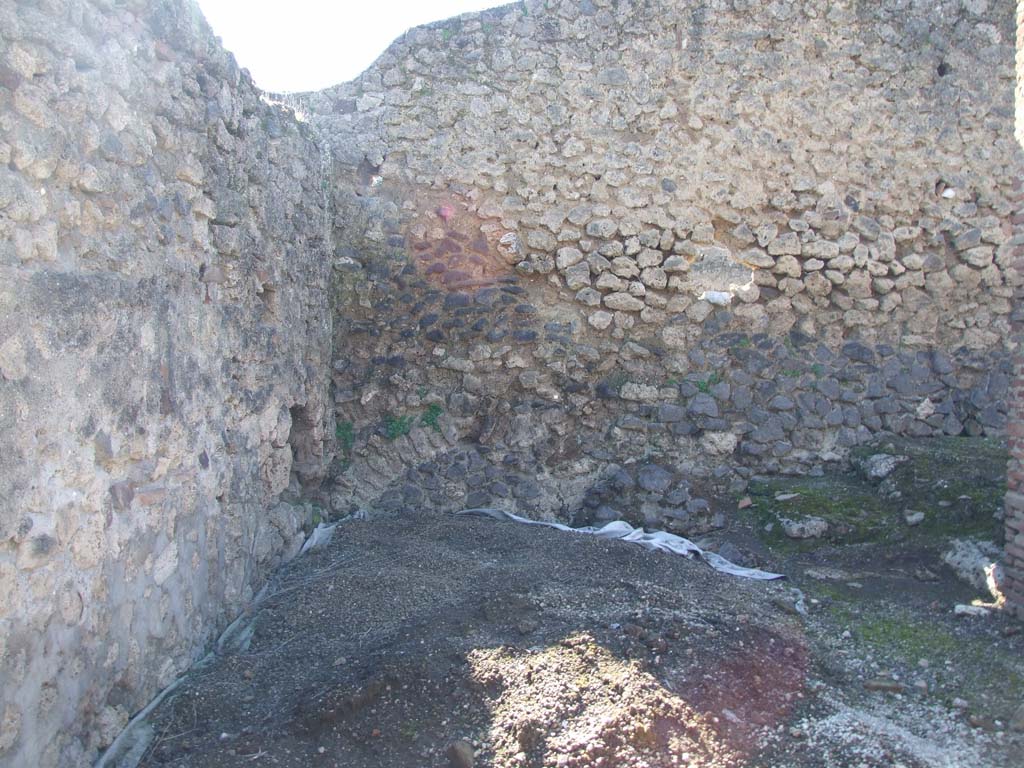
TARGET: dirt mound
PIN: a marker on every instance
(437, 640)
(533, 646)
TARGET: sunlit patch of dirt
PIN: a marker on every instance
(576, 704)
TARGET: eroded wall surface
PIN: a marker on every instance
(164, 338)
(612, 258)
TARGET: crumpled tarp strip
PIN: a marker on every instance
(623, 531)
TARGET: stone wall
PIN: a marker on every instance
(1013, 568)
(164, 343)
(614, 258)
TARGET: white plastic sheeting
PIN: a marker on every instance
(623, 531)
(320, 537)
(324, 532)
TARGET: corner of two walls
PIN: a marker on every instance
(165, 343)
(615, 259)
(586, 260)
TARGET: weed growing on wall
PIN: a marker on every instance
(706, 385)
(430, 418)
(345, 434)
(397, 426)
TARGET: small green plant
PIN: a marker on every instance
(421, 392)
(446, 34)
(744, 342)
(345, 434)
(706, 385)
(396, 426)
(792, 373)
(672, 383)
(818, 370)
(430, 418)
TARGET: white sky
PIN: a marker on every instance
(302, 45)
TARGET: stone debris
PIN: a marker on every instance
(912, 518)
(806, 528)
(880, 465)
(976, 563)
(976, 611)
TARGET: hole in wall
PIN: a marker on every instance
(943, 69)
(268, 296)
(302, 442)
(366, 172)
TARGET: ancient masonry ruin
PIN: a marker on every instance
(1013, 588)
(577, 259)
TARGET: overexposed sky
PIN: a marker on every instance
(302, 45)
